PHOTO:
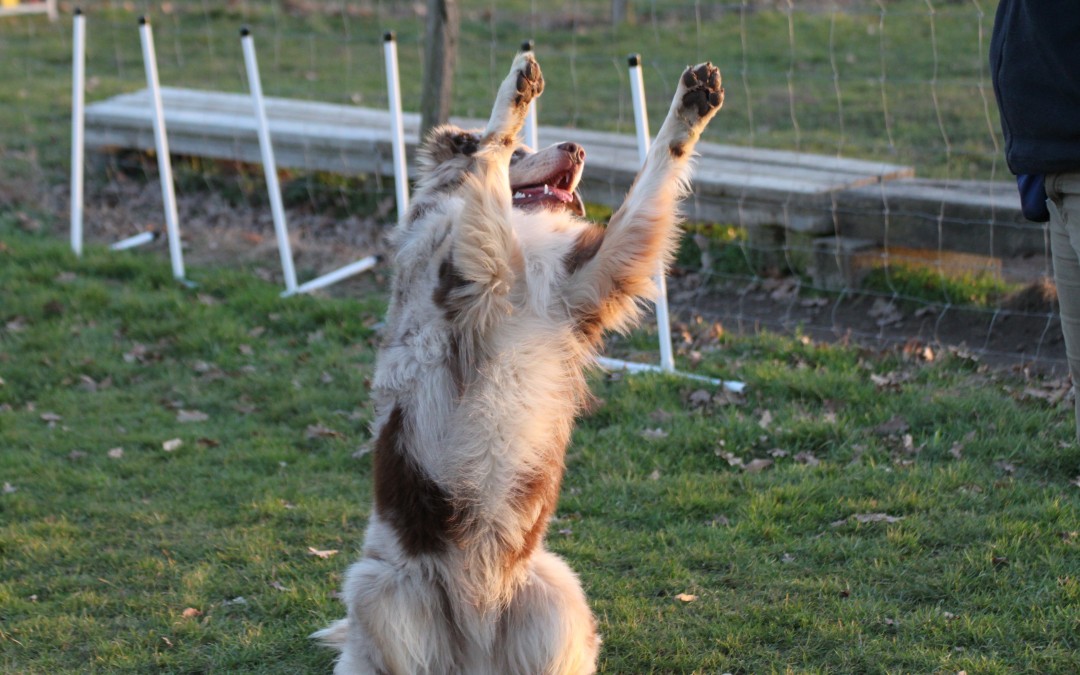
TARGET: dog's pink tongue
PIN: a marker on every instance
(542, 193)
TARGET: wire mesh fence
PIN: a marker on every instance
(853, 187)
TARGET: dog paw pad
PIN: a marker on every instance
(704, 92)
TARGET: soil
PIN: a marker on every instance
(1022, 334)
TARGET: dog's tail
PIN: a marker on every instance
(334, 635)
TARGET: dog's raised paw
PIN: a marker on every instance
(704, 94)
(530, 81)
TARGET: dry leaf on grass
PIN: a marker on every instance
(757, 465)
(895, 426)
(191, 416)
(686, 597)
(171, 444)
(278, 586)
(807, 458)
(320, 553)
(876, 518)
(654, 434)
(320, 431)
(191, 613)
(9, 488)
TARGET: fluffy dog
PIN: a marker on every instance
(501, 295)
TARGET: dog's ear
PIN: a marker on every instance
(444, 143)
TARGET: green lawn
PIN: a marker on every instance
(916, 517)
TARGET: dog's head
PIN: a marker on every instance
(539, 179)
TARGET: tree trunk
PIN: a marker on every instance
(440, 56)
(622, 11)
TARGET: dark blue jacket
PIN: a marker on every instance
(1035, 65)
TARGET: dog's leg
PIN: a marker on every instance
(548, 627)
(603, 292)
(485, 253)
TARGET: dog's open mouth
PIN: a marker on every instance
(548, 179)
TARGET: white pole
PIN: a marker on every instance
(273, 188)
(133, 241)
(641, 122)
(161, 142)
(357, 267)
(397, 132)
(531, 131)
(78, 100)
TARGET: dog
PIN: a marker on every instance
(501, 295)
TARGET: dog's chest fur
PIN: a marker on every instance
(503, 402)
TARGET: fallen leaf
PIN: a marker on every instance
(208, 442)
(655, 475)
(320, 431)
(326, 378)
(653, 434)
(892, 622)
(171, 444)
(757, 465)
(76, 455)
(777, 453)
(876, 518)
(999, 561)
(765, 420)
(115, 453)
(51, 417)
(721, 521)
(191, 416)
(191, 613)
(324, 554)
(1006, 467)
(246, 350)
(238, 600)
(895, 425)
(278, 586)
(807, 458)
(686, 597)
(8, 488)
(700, 398)
(787, 558)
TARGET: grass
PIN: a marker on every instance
(904, 81)
(137, 563)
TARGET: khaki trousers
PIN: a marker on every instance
(1063, 193)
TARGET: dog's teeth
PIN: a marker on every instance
(519, 195)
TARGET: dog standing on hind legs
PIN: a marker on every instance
(502, 292)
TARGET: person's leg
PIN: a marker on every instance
(1064, 203)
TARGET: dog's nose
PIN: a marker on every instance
(574, 150)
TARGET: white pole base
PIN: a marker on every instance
(133, 241)
(337, 275)
(631, 367)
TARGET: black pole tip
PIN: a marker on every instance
(389, 36)
(143, 20)
(245, 31)
(78, 11)
(634, 60)
(527, 46)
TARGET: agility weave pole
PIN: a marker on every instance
(273, 187)
(161, 143)
(78, 143)
(663, 320)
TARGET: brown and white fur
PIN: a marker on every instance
(501, 295)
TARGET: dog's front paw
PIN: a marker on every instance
(528, 80)
(702, 94)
